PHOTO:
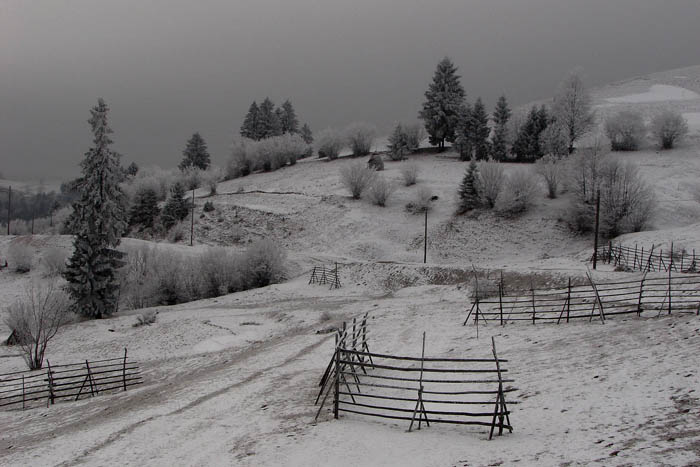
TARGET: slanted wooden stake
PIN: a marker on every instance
(124, 369)
(419, 402)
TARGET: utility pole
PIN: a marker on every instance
(597, 227)
(192, 226)
(425, 238)
(9, 209)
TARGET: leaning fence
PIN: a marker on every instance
(597, 300)
(420, 390)
(325, 276)
(70, 381)
(649, 259)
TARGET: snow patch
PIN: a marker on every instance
(693, 119)
(657, 93)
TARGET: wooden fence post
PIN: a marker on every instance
(641, 291)
(50, 378)
(23, 391)
(336, 383)
(500, 300)
(534, 311)
(568, 301)
(597, 298)
(124, 369)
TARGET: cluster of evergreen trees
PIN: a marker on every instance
(448, 117)
(265, 121)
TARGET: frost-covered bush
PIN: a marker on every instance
(262, 264)
(191, 178)
(356, 178)
(240, 163)
(551, 169)
(146, 319)
(409, 173)
(379, 191)
(54, 260)
(329, 143)
(20, 257)
(267, 155)
(415, 134)
(519, 191)
(668, 127)
(625, 130)
(491, 178)
(360, 137)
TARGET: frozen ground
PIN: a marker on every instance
(231, 380)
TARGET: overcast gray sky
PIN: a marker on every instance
(169, 68)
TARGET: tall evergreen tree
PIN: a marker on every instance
(480, 131)
(99, 220)
(463, 134)
(250, 128)
(145, 210)
(469, 189)
(288, 119)
(443, 104)
(176, 207)
(499, 141)
(195, 154)
(306, 134)
(268, 120)
(398, 143)
(526, 146)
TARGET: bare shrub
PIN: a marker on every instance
(263, 264)
(356, 178)
(178, 232)
(519, 191)
(219, 272)
(421, 201)
(415, 134)
(551, 169)
(626, 200)
(35, 320)
(240, 163)
(409, 173)
(583, 171)
(146, 319)
(668, 127)
(329, 143)
(20, 257)
(554, 140)
(191, 178)
(211, 179)
(154, 178)
(379, 191)
(491, 178)
(360, 137)
(626, 130)
(54, 260)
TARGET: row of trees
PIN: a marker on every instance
(448, 117)
(266, 121)
(627, 129)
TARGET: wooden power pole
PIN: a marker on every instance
(597, 227)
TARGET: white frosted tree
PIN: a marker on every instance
(443, 104)
(99, 221)
(572, 108)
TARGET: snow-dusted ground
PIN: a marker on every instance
(231, 380)
(657, 93)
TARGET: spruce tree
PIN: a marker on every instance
(526, 146)
(145, 210)
(132, 170)
(99, 221)
(195, 154)
(288, 119)
(480, 131)
(250, 127)
(268, 121)
(306, 134)
(499, 141)
(469, 189)
(176, 207)
(398, 143)
(443, 104)
(463, 139)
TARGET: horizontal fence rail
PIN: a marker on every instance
(420, 390)
(649, 259)
(325, 276)
(660, 294)
(70, 381)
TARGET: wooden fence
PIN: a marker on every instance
(660, 294)
(324, 276)
(71, 381)
(649, 260)
(419, 390)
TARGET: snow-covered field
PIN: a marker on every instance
(232, 380)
